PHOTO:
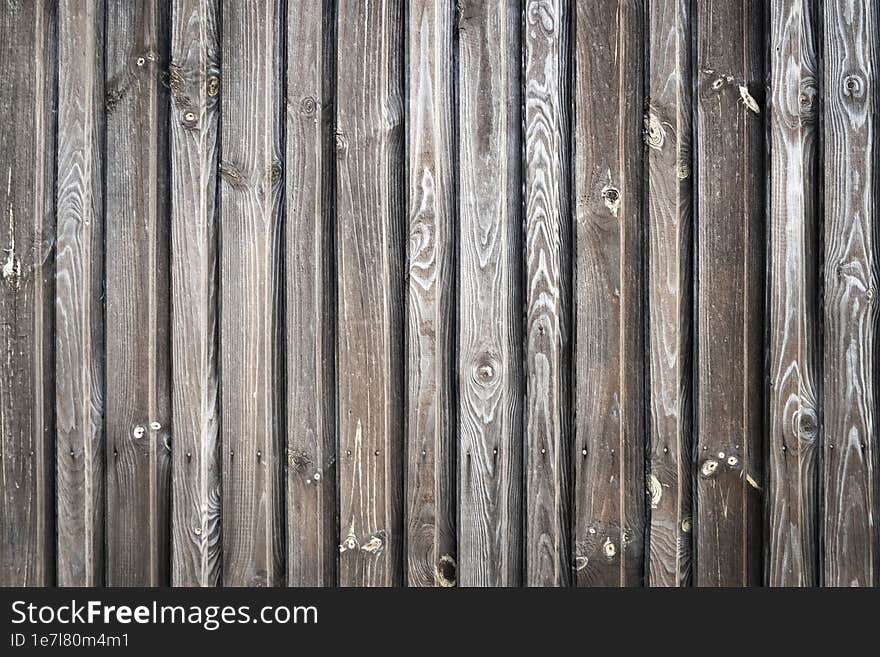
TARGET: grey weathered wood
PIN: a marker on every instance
(194, 79)
(250, 203)
(136, 289)
(851, 34)
(430, 485)
(490, 386)
(547, 295)
(369, 242)
(793, 337)
(729, 381)
(312, 546)
(667, 135)
(609, 447)
(27, 235)
(79, 317)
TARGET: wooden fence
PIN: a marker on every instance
(318, 292)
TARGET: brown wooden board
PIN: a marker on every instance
(137, 294)
(430, 441)
(609, 440)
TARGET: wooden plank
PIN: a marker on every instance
(851, 275)
(137, 299)
(489, 294)
(730, 293)
(430, 486)
(369, 186)
(793, 337)
(250, 206)
(79, 317)
(609, 450)
(27, 294)
(547, 296)
(194, 79)
(667, 133)
(312, 548)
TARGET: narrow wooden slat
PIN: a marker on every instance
(609, 449)
(370, 384)
(431, 555)
(137, 297)
(667, 133)
(548, 285)
(79, 318)
(27, 297)
(851, 34)
(311, 438)
(794, 354)
(730, 292)
(490, 386)
(194, 78)
(250, 205)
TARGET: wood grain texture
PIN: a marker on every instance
(137, 295)
(609, 450)
(369, 239)
(851, 34)
(194, 78)
(312, 546)
(430, 468)
(490, 385)
(730, 265)
(27, 237)
(794, 348)
(251, 192)
(79, 316)
(667, 135)
(547, 293)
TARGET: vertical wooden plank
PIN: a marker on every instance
(489, 294)
(27, 234)
(730, 292)
(137, 295)
(430, 485)
(194, 79)
(610, 439)
(369, 185)
(311, 437)
(79, 317)
(667, 133)
(250, 205)
(548, 285)
(851, 276)
(793, 338)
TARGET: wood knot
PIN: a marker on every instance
(188, 119)
(213, 86)
(231, 174)
(709, 467)
(485, 370)
(308, 106)
(854, 86)
(445, 571)
(341, 144)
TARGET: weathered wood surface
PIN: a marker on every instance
(490, 385)
(79, 282)
(194, 79)
(369, 219)
(137, 295)
(793, 337)
(430, 441)
(609, 443)
(851, 34)
(250, 207)
(547, 293)
(669, 175)
(27, 297)
(669, 167)
(730, 244)
(312, 545)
